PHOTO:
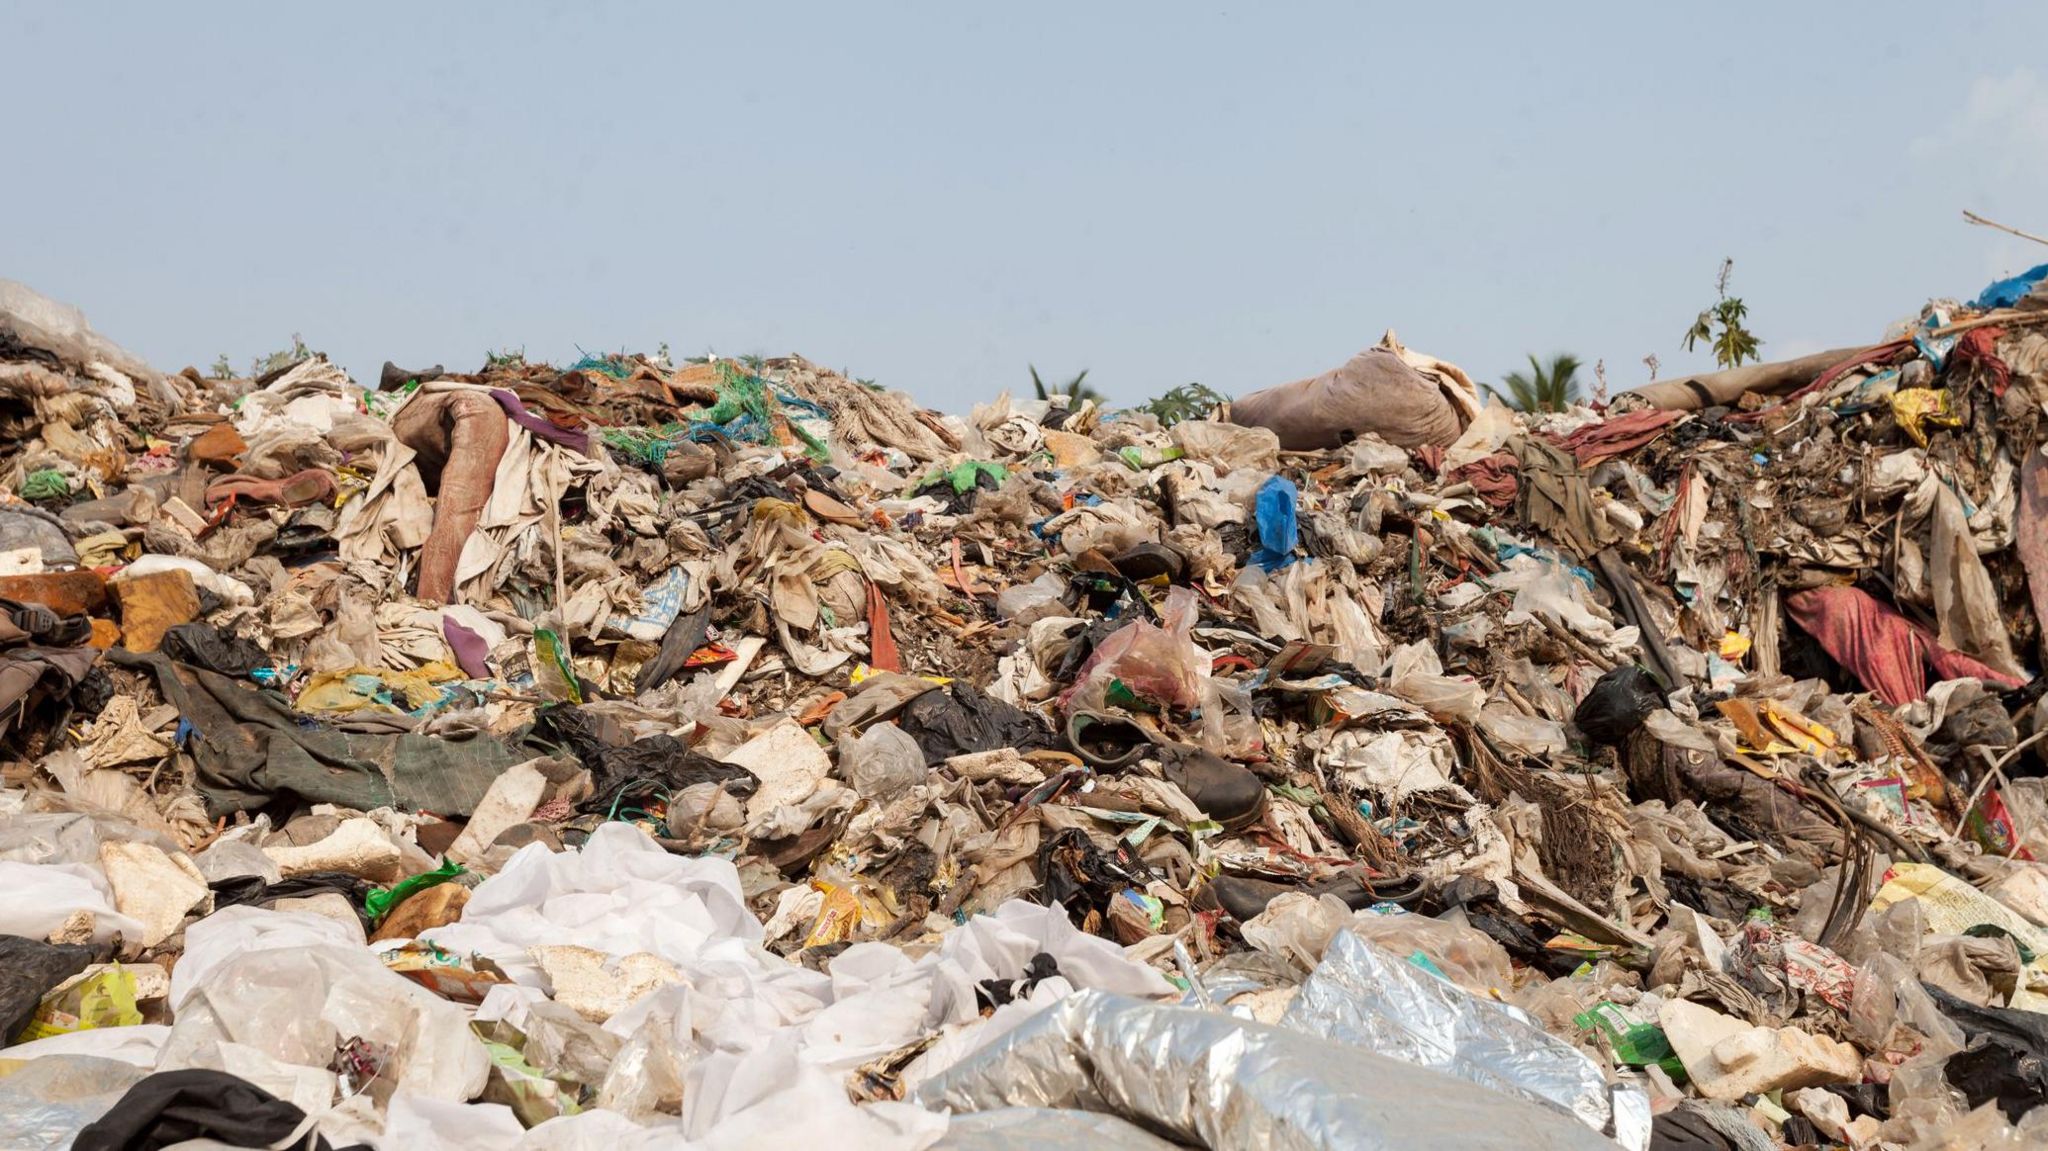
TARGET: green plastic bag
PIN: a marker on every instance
(381, 900)
(962, 477)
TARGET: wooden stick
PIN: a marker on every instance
(1997, 771)
(1578, 645)
(2006, 318)
(1974, 218)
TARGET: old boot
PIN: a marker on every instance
(1226, 792)
(1106, 741)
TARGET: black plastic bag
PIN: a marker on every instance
(2007, 1058)
(990, 994)
(658, 765)
(251, 890)
(202, 645)
(684, 635)
(1618, 705)
(92, 695)
(29, 968)
(623, 769)
(961, 719)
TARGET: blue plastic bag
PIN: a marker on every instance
(1279, 530)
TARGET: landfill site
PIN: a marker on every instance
(734, 753)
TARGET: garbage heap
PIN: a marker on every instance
(734, 753)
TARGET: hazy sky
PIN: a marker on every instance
(935, 195)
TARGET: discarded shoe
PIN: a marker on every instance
(1244, 897)
(309, 486)
(1106, 741)
(1226, 792)
(1151, 562)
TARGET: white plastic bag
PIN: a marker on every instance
(41, 896)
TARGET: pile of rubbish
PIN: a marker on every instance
(642, 755)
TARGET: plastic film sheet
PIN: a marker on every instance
(47, 1102)
(1365, 996)
(1215, 1081)
(1043, 1129)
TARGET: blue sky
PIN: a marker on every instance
(935, 195)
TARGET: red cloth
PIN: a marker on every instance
(1494, 478)
(1888, 653)
(1616, 437)
(1979, 346)
(882, 654)
(1429, 456)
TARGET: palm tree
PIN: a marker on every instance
(1073, 388)
(1549, 387)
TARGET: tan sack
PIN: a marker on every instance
(1408, 399)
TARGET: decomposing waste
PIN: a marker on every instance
(729, 754)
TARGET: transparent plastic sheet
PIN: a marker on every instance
(1415, 674)
(40, 897)
(1159, 665)
(1464, 955)
(883, 763)
(1366, 996)
(47, 1102)
(138, 1045)
(1213, 1080)
(737, 1023)
(287, 1007)
(1027, 603)
(1531, 734)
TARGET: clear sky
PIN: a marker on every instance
(934, 195)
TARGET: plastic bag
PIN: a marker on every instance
(1227, 447)
(1530, 734)
(40, 897)
(297, 1005)
(1027, 603)
(1142, 666)
(1618, 704)
(1416, 675)
(104, 999)
(1634, 1042)
(1464, 955)
(1274, 509)
(552, 672)
(1298, 926)
(883, 763)
(379, 902)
